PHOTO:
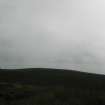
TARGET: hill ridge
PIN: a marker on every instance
(50, 76)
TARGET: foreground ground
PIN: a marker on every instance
(48, 87)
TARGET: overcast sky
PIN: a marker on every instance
(66, 34)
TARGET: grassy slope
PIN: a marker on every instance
(46, 76)
(40, 86)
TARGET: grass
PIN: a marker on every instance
(51, 88)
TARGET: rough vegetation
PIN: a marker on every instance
(47, 90)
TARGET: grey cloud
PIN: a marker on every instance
(53, 33)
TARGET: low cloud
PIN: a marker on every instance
(59, 34)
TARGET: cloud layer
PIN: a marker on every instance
(53, 33)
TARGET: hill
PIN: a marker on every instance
(46, 76)
(44, 86)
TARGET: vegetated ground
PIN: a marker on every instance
(42, 86)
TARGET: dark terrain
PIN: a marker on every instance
(42, 86)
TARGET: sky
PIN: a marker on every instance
(67, 34)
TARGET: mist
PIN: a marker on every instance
(67, 34)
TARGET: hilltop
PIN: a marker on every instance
(45, 86)
(47, 76)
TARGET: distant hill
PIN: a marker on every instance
(54, 77)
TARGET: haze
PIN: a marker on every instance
(67, 34)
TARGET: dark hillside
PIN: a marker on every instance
(42, 86)
(44, 76)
